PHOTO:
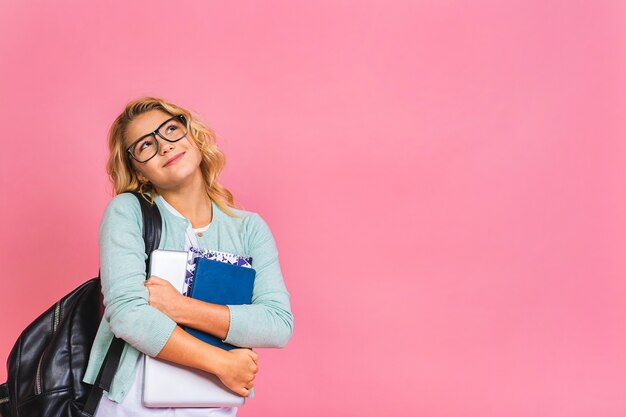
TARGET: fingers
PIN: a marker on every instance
(254, 367)
(245, 391)
(242, 380)
(154, 280)
(148, 287)
(254, 356)
(255, 359)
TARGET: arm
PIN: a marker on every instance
(186, 311)
(267, 322)
(122, 271)
(235, 368)
(131, 318)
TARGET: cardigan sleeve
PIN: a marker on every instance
(267, 321)
(123, 272)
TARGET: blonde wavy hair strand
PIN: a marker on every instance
(124, 177)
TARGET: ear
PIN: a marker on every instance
(141, 177)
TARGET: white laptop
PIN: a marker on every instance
(170, 385)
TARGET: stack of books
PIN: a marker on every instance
(211, 276)
(219, 278)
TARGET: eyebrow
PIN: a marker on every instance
(151, 133)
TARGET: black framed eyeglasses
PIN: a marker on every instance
(147, 146)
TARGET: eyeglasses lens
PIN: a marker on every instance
(172, 131)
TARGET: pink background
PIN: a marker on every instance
(446, 182)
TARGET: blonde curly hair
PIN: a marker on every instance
(124, 177)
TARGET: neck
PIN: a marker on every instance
(192, 201)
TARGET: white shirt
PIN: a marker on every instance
(191, 234)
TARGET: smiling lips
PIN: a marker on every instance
(173, 159)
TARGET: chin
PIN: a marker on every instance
(179, 178)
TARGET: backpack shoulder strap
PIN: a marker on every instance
(152, 237)
(151, 226)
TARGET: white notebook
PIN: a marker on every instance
(170, 385)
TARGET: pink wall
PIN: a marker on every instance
(446, 182)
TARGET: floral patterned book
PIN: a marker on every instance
(214, 255)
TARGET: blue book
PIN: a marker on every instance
(220, 283)
(215, 255)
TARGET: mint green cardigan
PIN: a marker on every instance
(267, 322)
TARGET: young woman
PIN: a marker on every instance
(171, 158)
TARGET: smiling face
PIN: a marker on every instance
(175, 164)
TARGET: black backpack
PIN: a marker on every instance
(48, 361)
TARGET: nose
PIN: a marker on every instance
(164, 146)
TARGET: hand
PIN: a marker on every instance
(240, 370)
(163, 296)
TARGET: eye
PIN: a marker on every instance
(143, 145)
